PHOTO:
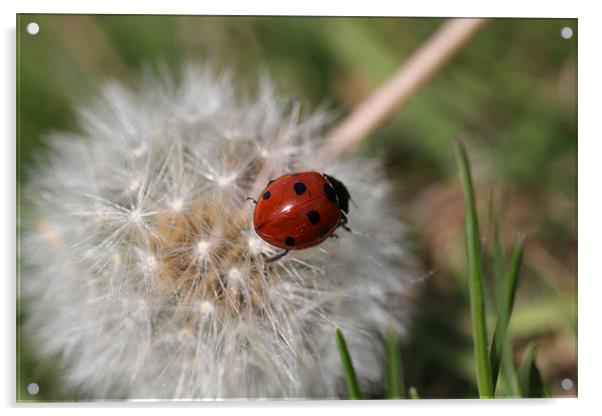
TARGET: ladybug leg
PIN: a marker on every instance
(277, 257)
(252, 199)
(334, 236)
(344, 222)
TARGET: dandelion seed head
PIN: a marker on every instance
(139, 151)
(207, 308)
(202, 248)
(264, 153)
(234, 274)
(136, 216)
(225, 180)
(256, 245)
(177, 205)
(134, 185)
(183, 304)
(150, 262)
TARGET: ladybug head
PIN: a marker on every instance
(341, 191)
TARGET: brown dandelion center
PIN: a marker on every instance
(207, 256)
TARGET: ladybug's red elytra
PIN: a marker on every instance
(300, 210)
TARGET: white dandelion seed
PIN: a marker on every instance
(203, 247)
(177, 205)
(148, 279)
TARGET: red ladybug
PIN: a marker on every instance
(300, 210)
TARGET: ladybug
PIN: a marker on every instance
(300, 210)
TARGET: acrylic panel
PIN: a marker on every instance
(216, 207)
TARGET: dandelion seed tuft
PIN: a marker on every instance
(235, 275)
(203, 247)
(177, 205)
(207, 308)
(136, 216)
(147, 277)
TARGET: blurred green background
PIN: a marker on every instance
(510, 93)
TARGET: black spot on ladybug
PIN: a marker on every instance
(314, 217)
(299, 188)
(331, 195)
(289, 241)
(266, 194)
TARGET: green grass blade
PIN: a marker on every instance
(508, 371)
(498, 251)
(349, 371)
(414, 393)
(473, 249)
(395, 382)
(506, 301)
(531, 382)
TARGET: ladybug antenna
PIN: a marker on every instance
(342, 193)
